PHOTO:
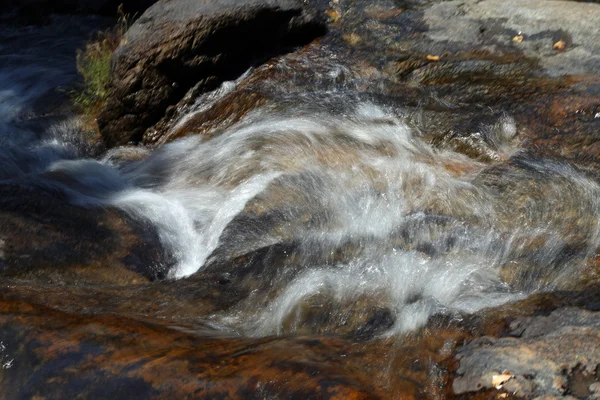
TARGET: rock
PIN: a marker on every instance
(545, 356)
(176, 44)
(45, 239)
(112, 356)
(457, 102)
(545, 27)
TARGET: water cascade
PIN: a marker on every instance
(361, 226)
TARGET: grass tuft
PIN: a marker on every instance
(93, 64)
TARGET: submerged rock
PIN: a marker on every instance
(45, 239)
(175, 44)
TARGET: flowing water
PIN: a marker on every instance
(372, 222)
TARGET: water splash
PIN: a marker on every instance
(382, 230)
(384, 227)
(190, 222)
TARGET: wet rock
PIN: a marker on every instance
(320, 314)
(552, 355)
(175, 44)
(101, 356)
(275, 86)
(43, 238)
(456, 102)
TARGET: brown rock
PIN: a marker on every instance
(178, 43)
(44, 238)
(113, 356)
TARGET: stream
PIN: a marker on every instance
(369, 229)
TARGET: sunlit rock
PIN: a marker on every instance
(176, 44)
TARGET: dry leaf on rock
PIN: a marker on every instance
(352, 39)
(560, 45)
(333, 15)
(499, 380)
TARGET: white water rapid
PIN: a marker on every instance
(374, 217)
(377, 218)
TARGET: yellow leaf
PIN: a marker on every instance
(518, 39)
(560, 45)
(499, 380)
(333, 15)
(433, 58)
(352, 39)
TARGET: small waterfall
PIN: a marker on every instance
(380, 228)
(380, 220)
(190, 222)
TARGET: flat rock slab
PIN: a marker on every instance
(533, 27)
(552, 355)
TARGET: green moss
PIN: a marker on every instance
(93, 64)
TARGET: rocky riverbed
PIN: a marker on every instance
(345, 199)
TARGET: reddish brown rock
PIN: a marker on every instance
(113, 356)
(46, 239)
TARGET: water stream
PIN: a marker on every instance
(377, 222)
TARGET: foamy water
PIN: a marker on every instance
(376, 218)
(374, 213)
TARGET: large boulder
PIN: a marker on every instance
(178, 43)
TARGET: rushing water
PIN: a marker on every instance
(373, 217)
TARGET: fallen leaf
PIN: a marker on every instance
(333, 15)
(518, 39)
(560, 45)
(433, 58)
(503, 395)
(378, 12)
(352, 39)
(499, 380)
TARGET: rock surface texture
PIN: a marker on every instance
(502, 99)
(555, 355)
(178, 43)
(534, 27)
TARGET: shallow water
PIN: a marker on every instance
(378, 222)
